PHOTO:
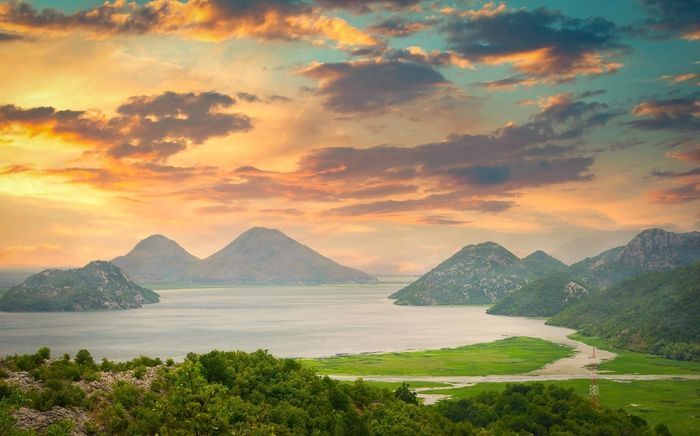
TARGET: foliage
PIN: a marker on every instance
(256, 393)
(505, 356)
(655, 312)
(673, 403)
(543, 297)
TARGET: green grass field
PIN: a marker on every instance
(629, 362)
(675, 403)
(393, 385)
(507, 356)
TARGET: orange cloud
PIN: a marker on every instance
(209, 20)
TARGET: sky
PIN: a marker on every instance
(384, 134)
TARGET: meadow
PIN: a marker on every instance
(513, 355)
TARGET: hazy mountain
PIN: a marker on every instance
(650, 250)
(655, 312)
(156, 259)
(476, 274)
(98, 285)
(542, 297)
(268, 256)
(592, 244)
(540, 263)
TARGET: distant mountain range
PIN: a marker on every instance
(98, 285)
(651, 250)
(477, 274)
(259, 256)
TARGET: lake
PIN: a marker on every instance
(290, 321)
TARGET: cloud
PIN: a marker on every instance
(463, 173)
(213, 20)
(683, 194)
(150, 128)
(539, 44)
(366, 86)
(674, 17)
(675, 79)
(399, 27)
(672, 174)
(7, 37)
(681, 113)
(365, 6)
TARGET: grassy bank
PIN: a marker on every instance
(507, 356)
(675, 403)
(629, 362)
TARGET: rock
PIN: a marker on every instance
(30, 419)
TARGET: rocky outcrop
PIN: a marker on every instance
(30, 419)
(98, 285)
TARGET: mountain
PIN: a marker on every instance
(268, 256)
(656, 312)
(541, 264)
(98, 285)
(542, 297)
(156, 259)
(650, 250)
(476, 274)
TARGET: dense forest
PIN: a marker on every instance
(256, 393)
(656, 312)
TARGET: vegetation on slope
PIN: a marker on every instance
(98, 285)
(655, 312)
(255, 393)
(506, 356)
(543, 297)
(671, 403)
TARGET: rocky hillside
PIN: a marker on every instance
(651, 250)
(156, 259)
(656, 312)
(477, 274)
(98, 285)
(542, 297)
(268, 256)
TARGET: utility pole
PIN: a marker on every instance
(593, 389)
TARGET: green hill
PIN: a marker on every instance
(98, 285)
(656, 312)
(543, 297)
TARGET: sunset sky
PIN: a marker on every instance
(384, 134)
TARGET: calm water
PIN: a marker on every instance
(288, 321)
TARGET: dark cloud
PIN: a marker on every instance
(373, 86)
(203, 19)
(674, 17)
(540, 43)
(400, 27)
(145, 127)
(365, 6)
(673, 174)
(455, 201)
(462, 173)
(7, 37)
(682, 113)
(682, 194)
(442, 221)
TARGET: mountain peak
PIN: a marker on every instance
(156, 259)
(263, 255)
